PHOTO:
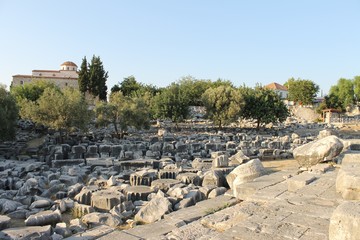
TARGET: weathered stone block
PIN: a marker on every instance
(299, 181)
(345, 221)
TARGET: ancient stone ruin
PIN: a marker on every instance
(189, 184)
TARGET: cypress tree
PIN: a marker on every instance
(83, 79)
(97, 78)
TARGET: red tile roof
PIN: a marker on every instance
(276, 86)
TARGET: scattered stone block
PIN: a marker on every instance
(345, 221)
(245, 173)
(34, 232)
(44, 218)
(299, 181)
(348, 182)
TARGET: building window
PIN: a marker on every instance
(73, 68)
(54, 75)
(67, 68)
(21, 82)
(40, 74)
(66, 84)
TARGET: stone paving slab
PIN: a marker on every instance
(270, 211)
(175, 219)
(248, 189)
(91, 234)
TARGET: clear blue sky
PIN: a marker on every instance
(158, 42)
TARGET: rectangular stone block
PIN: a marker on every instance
(299, 181)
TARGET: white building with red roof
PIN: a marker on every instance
(67, 76)
(281, 90)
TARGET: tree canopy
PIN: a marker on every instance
(58, 109)
(92, 78)
(263, 105)
(83, 79)
(32, 91)
(301, 91)
(123, 112)
(342, 95)
(8, 115)
(223, 104)
(171, 104)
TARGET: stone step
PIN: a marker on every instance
(175, 219)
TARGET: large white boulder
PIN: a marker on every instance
(245, 173)
(318, 151)
(154, 210)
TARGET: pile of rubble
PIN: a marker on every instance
(115, 183)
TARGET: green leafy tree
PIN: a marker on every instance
(343, 93)
(8, 115)
(301, 91)
(357, 88)
(171, 104)
(129, 86)
(221, 82)
(330, 101)
(83, 79)
(193, 89)
(223, 104)
(58, 109)
(32, 91)
(97, 78)
(123, 112)
(263, 105)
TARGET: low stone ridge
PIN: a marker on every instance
(172, 182)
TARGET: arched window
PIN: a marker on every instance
(21, 82)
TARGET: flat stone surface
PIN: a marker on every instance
(91, 234)
(247, 189)
(299, 181)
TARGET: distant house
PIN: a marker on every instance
(67, 76)
(279, 89)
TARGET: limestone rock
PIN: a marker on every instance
(95, 218)
(245, 173)
(106, 199)
(217, 192)
(43, 218)
(348, 182)
(8, 206)
(345, 221)
(238, 158)
(62, 230)
(221, 161)
(186, 202)
(42, 203)
(213, 178)
(4, 222)
(154, 210)
(34, 232)
(80, 210)
(318, 151)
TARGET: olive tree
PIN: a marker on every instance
(123, 112)
(58, 109)
(223, 104)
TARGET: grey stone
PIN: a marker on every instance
(34, 232)
(43, 218)
(154, 210)
(318, 151)
(96, 219)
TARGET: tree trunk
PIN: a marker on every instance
(258, 125)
